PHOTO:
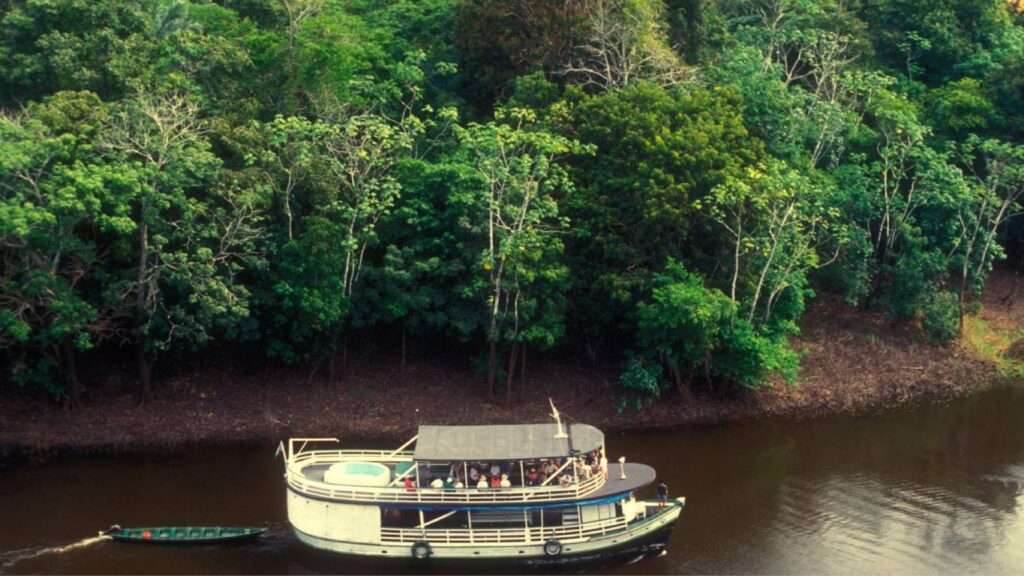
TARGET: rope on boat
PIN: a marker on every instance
(29, 553)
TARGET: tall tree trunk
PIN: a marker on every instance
(142, 291)
(491, 361)
(344, 356)
(512, 357)
(330, 363)
(145, 364)
(522, 376)
(71, 374)
(403, 347)
(312, 373)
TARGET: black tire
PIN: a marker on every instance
(421, 550)
(552, 548)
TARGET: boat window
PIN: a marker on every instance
(391, 518)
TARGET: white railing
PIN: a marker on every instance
(532, 535)
(305, 485)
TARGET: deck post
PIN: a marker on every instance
(404, 446)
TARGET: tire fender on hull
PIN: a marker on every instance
(421, 550)
(552, 548)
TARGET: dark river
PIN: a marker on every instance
(937, 489)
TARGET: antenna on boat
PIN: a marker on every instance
(558, 420)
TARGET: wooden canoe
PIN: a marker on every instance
(185, 534)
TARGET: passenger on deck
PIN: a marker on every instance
(458, 483)
(532, 479)
(549, 468)
(437, 482)
(586, 471)
(505, 482)
(449, 483)
(495, 470)
(565, 481)
(495, 482)
(474, 474)
(410, 486)
(604, 465)
(482, 483)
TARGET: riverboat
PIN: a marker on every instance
(535, 493)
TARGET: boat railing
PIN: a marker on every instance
(531, 535)
(303, 459)
(400, 494)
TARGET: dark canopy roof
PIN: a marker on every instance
(504, 442)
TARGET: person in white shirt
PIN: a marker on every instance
(505, 482)
(437, 483)
(482, 484)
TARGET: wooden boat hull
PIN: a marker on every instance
(186, 535)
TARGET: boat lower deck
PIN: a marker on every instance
(648, 535)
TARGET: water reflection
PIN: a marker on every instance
(937, 489)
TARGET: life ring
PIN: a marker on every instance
(421, 550)
(552, 547)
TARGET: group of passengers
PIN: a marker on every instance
(486, 476)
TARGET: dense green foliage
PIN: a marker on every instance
(657, 184)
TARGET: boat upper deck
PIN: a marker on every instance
(306, 474)
(565, 465)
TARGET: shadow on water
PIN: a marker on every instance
(936, 489)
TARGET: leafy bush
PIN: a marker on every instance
(942, 317)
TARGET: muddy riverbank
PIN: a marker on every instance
(854, 362)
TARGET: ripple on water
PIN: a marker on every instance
(860, 521)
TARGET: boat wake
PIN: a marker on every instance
(9, 559)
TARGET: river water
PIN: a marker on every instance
(936, 489)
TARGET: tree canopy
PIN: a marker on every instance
(656, 185)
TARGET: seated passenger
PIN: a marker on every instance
(410, 486)
(495, 482)
(437, 482)
(458, 483)
(564, 481)
(505, 482)
(532, 479)
(449, 483)
(482, 484)
(474, 474)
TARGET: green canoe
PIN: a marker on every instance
(185, 534)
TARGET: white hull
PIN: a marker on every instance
(641, 532)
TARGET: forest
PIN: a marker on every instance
(659, 185)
